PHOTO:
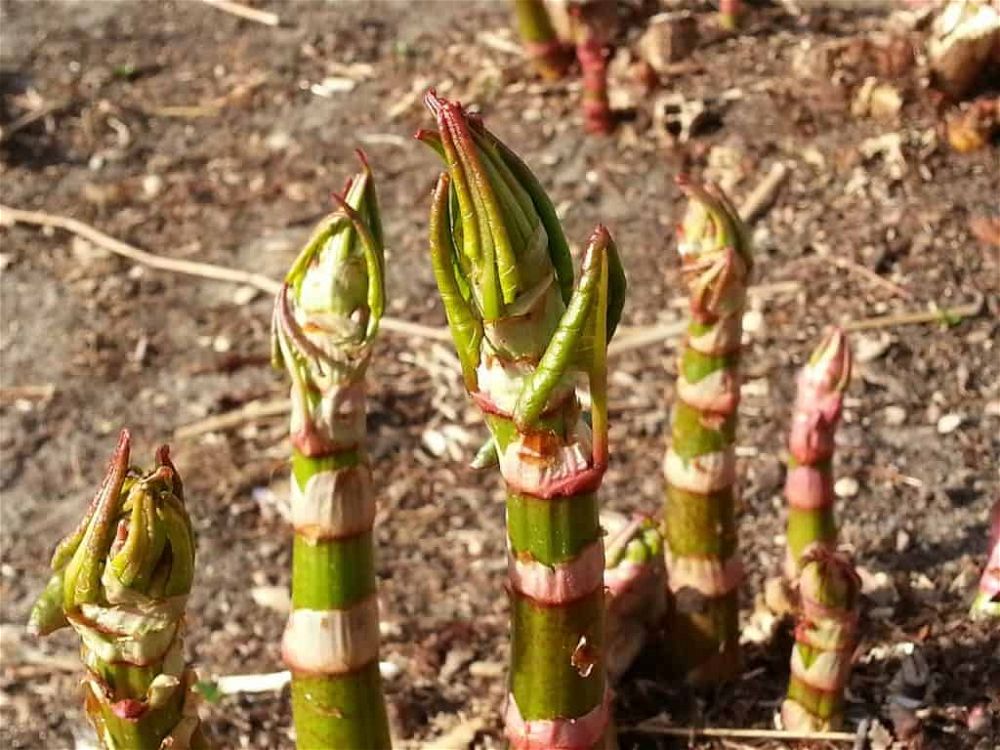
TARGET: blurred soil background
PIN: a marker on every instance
(197, 135)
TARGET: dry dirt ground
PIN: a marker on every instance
(200, 136)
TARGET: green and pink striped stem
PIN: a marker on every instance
(730, 12)
(550, 55)
(634, 585)
(592, 53)
(524, 332)
(987, 602)
(326, 317)
(703, 565)
(121, 581)
(809, 484)
(825, 639)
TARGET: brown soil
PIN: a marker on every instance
(241, 184)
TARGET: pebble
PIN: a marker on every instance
(435, 442)
(272, 597)
(949, 423)
(221, 344)
(152, 185)
(389, 669)
(870, 348)
(753, 321)
(894, 415)
(846, 487)
(487, 669)
(279, 140)
(245, 294)
(902, 540)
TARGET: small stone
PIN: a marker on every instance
(245, 294)
(753, 321)
(221, 344)
(894, 415)
(933, 413)
(389, 669)
(846, 487)
(870, 348)
(902, 540)
(454, 662)
(949, 423)
(152, 185)
(489, 669)
(669, 37)
(271, 597)
(279, 140)
(435, 442)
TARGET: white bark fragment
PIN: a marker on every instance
(724, 336)
(705, 575)
(334, 504)
(719, 391)
(502, 383)
(339, 413)
(526, 470)
(709, 472)
(331, 641)
(562, 583)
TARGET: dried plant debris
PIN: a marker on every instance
(964, 43)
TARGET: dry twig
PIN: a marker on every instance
(764, 194)
(656, 727)
(938, 315)
(14, 393)
(245, 12)
(10, 216)
(249, 412)
(29, 117)
(211, 107)
(849, 265)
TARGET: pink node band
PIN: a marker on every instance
(558, 584)
(581, 733)
(808, 488)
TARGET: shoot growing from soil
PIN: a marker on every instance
(121, 581)
(525, 331)
(326, 317)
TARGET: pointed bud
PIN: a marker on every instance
(714, 249)
(987, 601)
(507, 252)
(335, 285)
(138, 537)
(819, 400)
(829, 368)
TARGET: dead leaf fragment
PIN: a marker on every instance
(972, 128)
(986, 229)
(961, 44)
(668, 38)
(881, 101)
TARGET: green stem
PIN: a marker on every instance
(520, 353)
(825, 638)
(547, 52)
(335, 710)
(809, 484)
(325, 321)
(700, 510)
(121, 580)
